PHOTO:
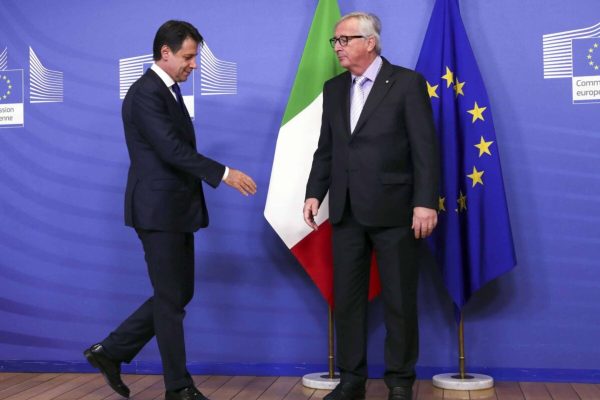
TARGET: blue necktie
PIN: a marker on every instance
(177, 91)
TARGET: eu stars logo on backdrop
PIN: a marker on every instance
(586, 70)
(11, 98)
(575, 54)
(45, 86)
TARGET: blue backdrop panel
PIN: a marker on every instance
(70, 271)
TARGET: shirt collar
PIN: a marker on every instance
(372, 70)
(163, 75)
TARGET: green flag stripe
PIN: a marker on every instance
(318, 62)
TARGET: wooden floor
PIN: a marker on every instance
(21, 386)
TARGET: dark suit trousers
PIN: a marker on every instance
(395, 249)
(170, 260)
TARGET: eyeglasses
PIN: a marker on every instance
(344, 40)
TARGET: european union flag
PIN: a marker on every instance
(473, 241)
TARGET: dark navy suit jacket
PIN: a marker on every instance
(164, 184)
(390, 164)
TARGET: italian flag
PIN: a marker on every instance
(296, 143)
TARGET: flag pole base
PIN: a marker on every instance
(470, 382)
(320, 380)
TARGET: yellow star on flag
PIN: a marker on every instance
(589, 57)
(458, 87)
(441, 204)
(462, 202)
(477, 112)
(432, 90)
(484, 147)
(476, 176)
(596, 45)
(449, 77)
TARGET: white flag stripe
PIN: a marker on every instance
(296, 143)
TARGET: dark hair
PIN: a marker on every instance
(172, 33)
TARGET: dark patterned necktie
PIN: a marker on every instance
(358, 101)
(179, 96)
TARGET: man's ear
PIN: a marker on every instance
(371, 43)
(165, 51)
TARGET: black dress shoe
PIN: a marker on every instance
(188, 393)
(109, 368)
(400, 393)
(347, 391)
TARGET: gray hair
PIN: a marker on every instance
(368, 25)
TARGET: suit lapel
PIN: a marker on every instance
(346, 83)
(381, 86)
(179, 113)
(166, 92)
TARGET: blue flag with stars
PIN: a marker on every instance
(473, 241)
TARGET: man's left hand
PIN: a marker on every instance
(424, 221)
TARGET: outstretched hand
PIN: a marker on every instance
(240, 181)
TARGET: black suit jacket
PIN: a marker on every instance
(390, 164)
(164, 184)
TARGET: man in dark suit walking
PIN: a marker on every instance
(165, 204)
(378, 158)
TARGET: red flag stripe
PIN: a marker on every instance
(314, 253)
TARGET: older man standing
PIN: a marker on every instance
(378, 158)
